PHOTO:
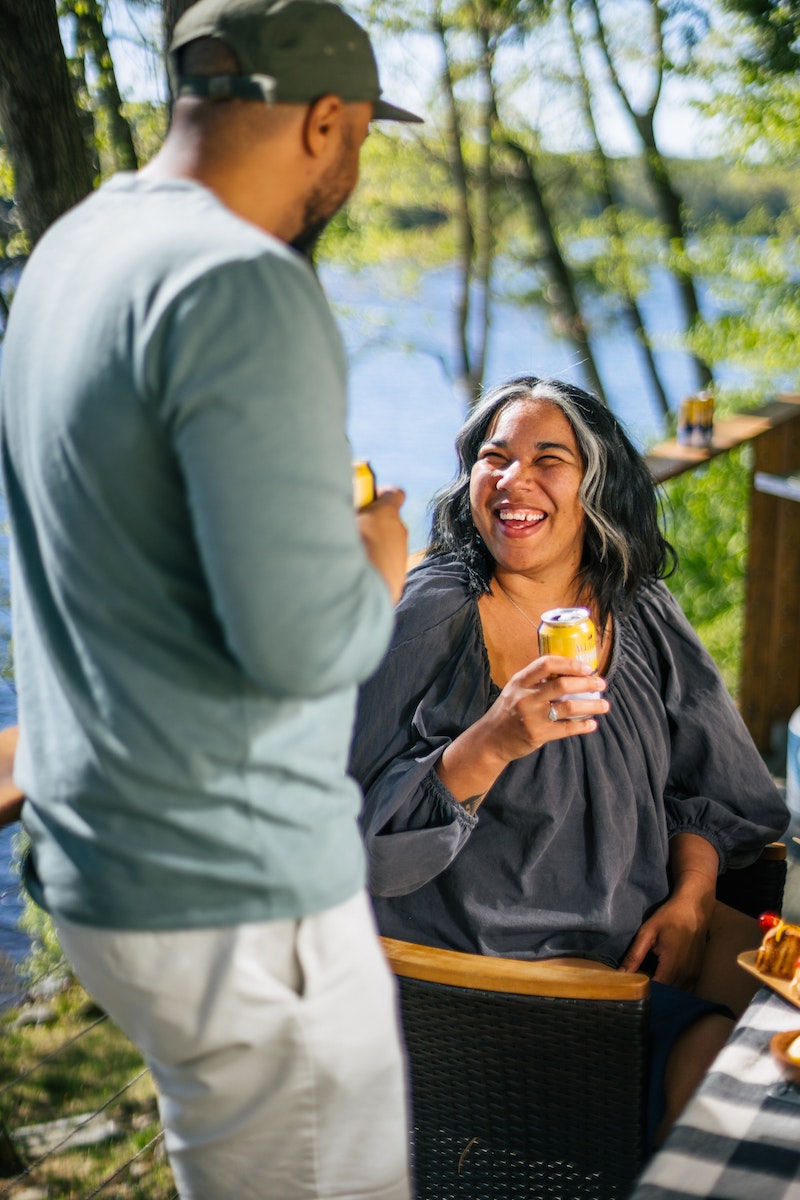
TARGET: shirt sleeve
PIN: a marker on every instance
(718, 785)
(254, 394)
(429, 688)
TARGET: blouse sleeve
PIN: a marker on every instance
(431, 686)
(718, 785)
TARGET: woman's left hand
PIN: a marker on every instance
(676, 935)
(676, 932)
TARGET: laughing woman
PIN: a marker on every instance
(505, 815)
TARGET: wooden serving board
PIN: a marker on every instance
(781, 986)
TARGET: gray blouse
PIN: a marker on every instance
(568, 852)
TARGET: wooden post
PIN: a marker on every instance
(770, 682)
(770, 687)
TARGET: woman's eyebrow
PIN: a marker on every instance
(503, 444)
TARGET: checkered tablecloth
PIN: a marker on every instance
(739, 1137)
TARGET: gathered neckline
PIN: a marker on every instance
(617, 652)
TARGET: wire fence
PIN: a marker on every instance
(78, 1114)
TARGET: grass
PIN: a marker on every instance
(93, 1068)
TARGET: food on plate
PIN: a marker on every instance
(794, 986)
(780, 947)
(793, 1050)
(786, 1048)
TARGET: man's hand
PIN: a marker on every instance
(11, 798)
(385, 538)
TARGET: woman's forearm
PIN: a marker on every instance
(470, 765)
(694, 864)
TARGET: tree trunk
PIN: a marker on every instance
(563, 297)
(38, 115)
(173, 9)
(608, 199)
(466, 236)
(669, 203)
(475, 237)
(485, 239)
(85, 111)
(92, 40)
(668, 200)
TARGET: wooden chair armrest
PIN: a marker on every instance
(774, 852)
(512, 974)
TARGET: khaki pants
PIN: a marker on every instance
(275, 1049)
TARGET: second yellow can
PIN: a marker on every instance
(364, 487)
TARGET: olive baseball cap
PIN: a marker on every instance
(289, 52)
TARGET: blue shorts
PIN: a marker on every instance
(671, 1011)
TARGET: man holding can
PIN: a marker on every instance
(194, 604)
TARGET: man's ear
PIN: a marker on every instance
(322, 126)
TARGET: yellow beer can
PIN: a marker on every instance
(687, 420)
(704, 420)
(570, 632)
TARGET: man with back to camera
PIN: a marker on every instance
(194, 605)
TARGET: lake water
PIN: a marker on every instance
(13, 944)
(405, 413)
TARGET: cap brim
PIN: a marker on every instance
(381, 111)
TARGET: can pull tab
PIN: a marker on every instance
(364, 485)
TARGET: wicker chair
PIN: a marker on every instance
(528, 1079)
(759, 887)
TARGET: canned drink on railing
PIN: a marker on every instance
(704, 420)
(696, 420)
(686, 419)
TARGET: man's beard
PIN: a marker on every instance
(327, 198)
(306, 241)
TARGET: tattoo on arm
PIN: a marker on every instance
(473, 803)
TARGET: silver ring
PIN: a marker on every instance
(552, 714)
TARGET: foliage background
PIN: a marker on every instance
(514, 89)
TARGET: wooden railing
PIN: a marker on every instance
(770, 681)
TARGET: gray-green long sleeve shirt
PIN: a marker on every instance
(192, 605)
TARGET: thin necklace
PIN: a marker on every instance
(521, 611)
(511, 600)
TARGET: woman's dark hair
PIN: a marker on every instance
(624, 546)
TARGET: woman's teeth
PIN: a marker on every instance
(529, 517)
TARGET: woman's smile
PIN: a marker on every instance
(519, 522)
